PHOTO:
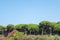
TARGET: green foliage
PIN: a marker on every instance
(10, 25)
(44, 23)
(34, 26)
(57, 27)
(19, 26)
(57, 37)
(53, 24)
(1, 27)
(29, 26)
(18, 34)
(48, 23)
(11, 38)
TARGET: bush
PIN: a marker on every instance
(17, 36)
(21, 37)
(11, 38)
(57, 37)
(39, 38)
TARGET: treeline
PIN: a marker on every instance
(44, 27)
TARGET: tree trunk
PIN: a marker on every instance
(50, 31)
(30, 31)
(42, 31)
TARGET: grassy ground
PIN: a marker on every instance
(36, 37)
(21, 36)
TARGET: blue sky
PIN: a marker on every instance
(28, 11)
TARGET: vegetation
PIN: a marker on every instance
(43, 28)
(56, 37)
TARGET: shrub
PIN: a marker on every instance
(11, 38)
(57, 37)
